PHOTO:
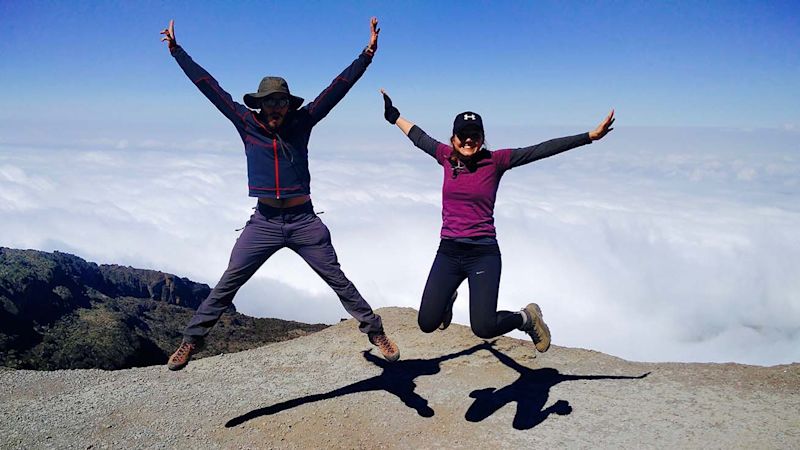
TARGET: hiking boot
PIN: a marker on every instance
(448, 313)
(385, 345)
(536, 327)
(181, 357)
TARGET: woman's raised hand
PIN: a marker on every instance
(389, 111)
(603, 128)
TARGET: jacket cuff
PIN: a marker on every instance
(367, 54)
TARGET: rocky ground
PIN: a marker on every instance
(449, 390)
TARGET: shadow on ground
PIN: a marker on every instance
(397, 378)
(530, 391)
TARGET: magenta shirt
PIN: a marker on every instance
(468, 197)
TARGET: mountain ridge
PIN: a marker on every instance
(59, 311)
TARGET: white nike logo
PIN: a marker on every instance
(478, 273)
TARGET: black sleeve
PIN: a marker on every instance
(423, 141)
(521, 156)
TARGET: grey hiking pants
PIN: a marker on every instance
(269, 230)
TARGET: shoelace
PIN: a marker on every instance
(383, 341)
(534, 331)
(183, 350)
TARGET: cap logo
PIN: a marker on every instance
(469, 117)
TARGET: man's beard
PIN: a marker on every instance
(277, 118)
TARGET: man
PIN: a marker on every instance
(275, 140)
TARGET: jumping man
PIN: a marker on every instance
(275, 131)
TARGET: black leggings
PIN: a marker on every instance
(481, 264)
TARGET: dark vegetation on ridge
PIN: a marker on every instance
(58, 311)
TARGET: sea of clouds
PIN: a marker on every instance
(652, 245)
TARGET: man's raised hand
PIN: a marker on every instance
(373, 35)
(169, 35)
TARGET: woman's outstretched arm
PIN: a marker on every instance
(525, 155)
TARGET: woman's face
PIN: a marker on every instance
(467, 142)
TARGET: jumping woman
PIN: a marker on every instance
(468, 248)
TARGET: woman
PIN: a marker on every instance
(468, 247)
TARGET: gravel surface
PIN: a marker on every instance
(449, 390)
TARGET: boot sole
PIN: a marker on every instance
(392, 358)
(175, 367)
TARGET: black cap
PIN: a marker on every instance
(467, 119)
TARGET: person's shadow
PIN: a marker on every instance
(530, 391)
(396, 378)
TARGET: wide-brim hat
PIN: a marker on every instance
(467, 119)
(269, 86)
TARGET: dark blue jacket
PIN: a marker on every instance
(277, 163)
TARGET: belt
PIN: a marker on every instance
(284, 202)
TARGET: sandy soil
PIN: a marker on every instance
(449, 390)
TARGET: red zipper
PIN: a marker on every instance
(277, 184)
(274, 152)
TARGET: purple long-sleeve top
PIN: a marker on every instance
(469, 190)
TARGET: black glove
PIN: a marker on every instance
(390, 112)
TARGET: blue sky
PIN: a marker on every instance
(728, 64)
(680, 229)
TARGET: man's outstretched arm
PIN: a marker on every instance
(340, 86)
(204, 81)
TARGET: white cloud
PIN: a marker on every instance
(685, 249)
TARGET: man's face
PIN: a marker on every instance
(274, 109)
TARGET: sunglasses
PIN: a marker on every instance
(275, 102)
(475, 135)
